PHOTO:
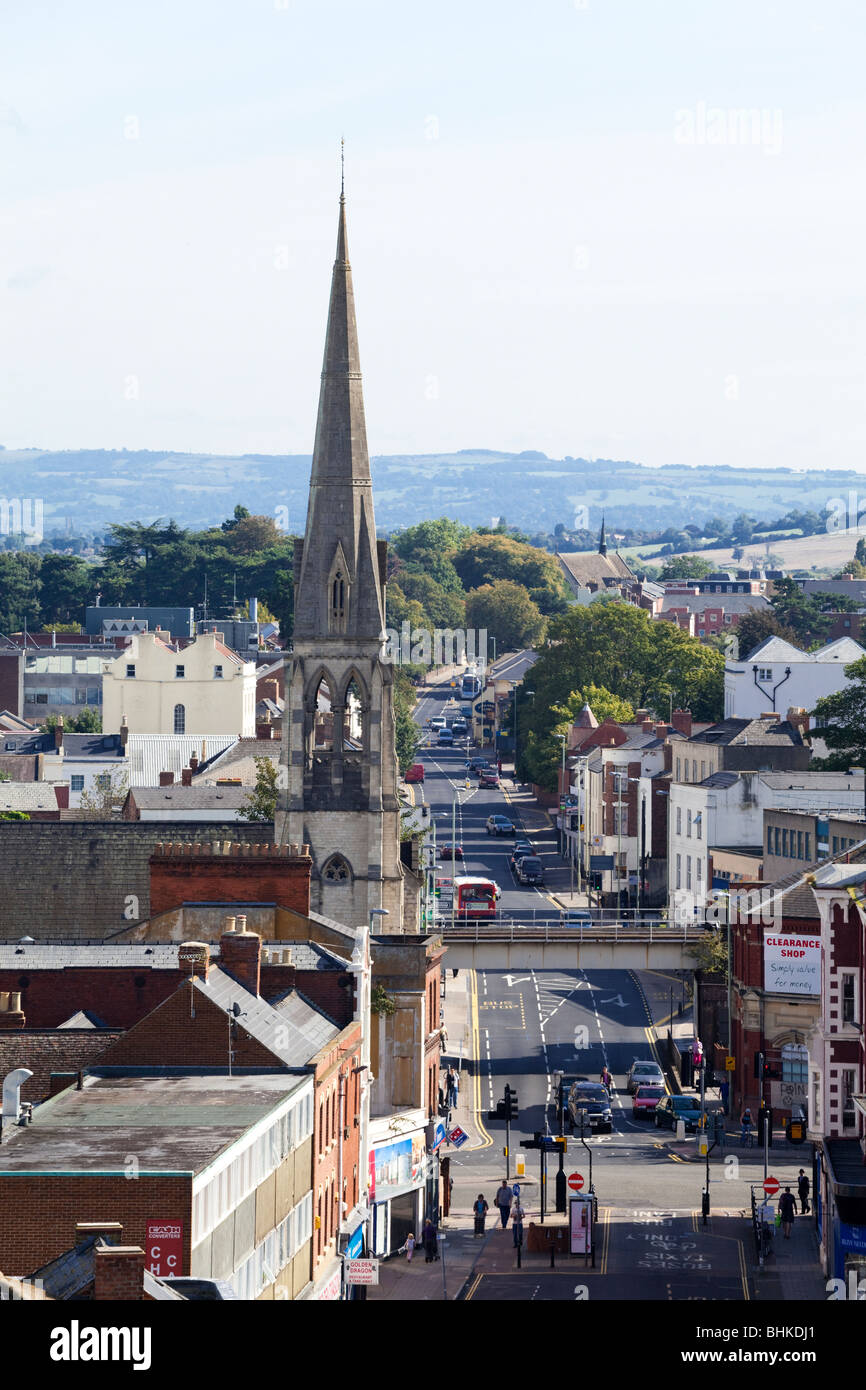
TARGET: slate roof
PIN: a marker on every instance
(589, 567)
(201, 797)
(43, 955)
(294, 1032)
(777, 733)
(731, 603)
(28, 796)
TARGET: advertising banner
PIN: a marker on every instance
(792, 963)
(164, 1247)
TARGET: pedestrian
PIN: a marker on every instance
(503, 1198)
(479, 1211)
(787, 1211)
(605, 1077)
(430, 1237)
(517, 1215)
(455, 1090)
(746, 1126)
(410, 1247)
(803, 1190)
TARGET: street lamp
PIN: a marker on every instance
(563, 738)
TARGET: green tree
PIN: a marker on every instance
(68, 585)
(755, 627)
(240, 514)
(710, 953)
(802, 615)
(484, 559)
(261, 804)
(407, 733)
(840, 719)
(87, 721)
(685, 567)
(508, 614)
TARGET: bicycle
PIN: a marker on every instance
(747, 1138)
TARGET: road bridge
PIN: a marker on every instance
(549, 946)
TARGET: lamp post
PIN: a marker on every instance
(563, 738)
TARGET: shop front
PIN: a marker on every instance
(397, 1188)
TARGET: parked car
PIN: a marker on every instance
(575, 917)
(520, 851)
(499, 825)
(591, 1099)
(445, 852)
(415, 773)
(644, 1074)
(488, 777)
(530, 870)
(673, 1108)
(645, 1100)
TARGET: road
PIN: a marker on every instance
(532, 1024)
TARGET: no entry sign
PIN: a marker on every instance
(575, 1181)
(771, 1186)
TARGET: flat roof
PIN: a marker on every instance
(173, 1123)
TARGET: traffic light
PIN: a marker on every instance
(760, 1066)
(510, 1104)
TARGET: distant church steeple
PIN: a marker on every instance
(602, 547)
(339, 756)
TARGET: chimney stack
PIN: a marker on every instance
(681, 720)
(166, 779)
(11, 1015)
(241, 955)
(193, 762)
(58, 732)
(648, 726)
(194, 957)
(124, 732)
(118, 1274)
(186, 777)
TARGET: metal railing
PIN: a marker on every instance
(505, 928)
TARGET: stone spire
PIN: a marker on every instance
(602, 544)
(340, 539)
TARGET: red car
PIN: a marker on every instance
(415, 773)
(488, 779)
(645, 1100)
(445, 852)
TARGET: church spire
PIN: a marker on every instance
(340, 538)
(602, 545)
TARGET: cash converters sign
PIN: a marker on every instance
(792, 964)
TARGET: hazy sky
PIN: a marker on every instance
(563, 235)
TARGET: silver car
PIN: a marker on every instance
(644, 1074)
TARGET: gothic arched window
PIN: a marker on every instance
(337, 870)
(179, 719)
(338, 601)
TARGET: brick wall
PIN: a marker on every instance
(184, 1032)
(12, 682)
(251, 872)
(341, 1055)
(47, 1209)
(53, 1050)
(73, 880)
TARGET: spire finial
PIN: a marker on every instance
(342, 170)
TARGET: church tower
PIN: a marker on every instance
(339, 762)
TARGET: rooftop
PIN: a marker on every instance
(173, 1123)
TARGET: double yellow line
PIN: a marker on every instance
(475, 1048)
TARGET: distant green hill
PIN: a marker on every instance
(86, 490)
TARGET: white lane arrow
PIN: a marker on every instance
(514, 979)
(617, 999)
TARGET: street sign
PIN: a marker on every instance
(457, 1137)
(362, 1271)
(771, 1186)
(600, 862)
(575, 1181)
(520, 1165)
(516, 1189)
(730, 1064)
(438, 1136)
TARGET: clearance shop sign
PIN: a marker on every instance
(792, 963)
